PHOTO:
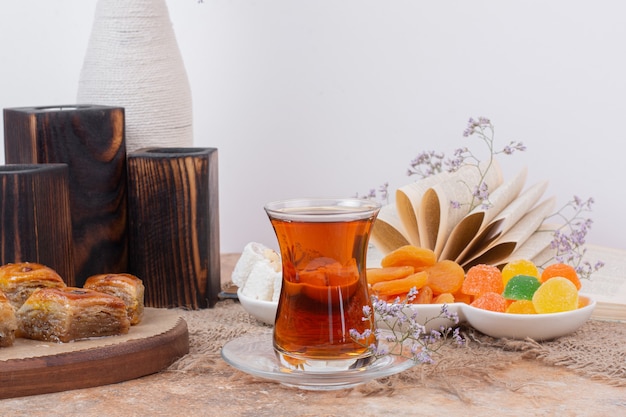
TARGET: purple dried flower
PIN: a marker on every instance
(406, 336)
(568, 241)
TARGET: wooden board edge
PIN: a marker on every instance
(94, 367)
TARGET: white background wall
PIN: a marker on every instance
(332, 98)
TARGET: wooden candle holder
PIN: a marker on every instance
(35, 223)
(90, 140)
(174, 225)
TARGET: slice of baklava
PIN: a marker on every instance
(19, 280)
(8, 321)
(70, 313)
(125, 286)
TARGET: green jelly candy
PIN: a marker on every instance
(521, 287)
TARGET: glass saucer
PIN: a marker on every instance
(254, 355)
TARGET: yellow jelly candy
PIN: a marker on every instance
(521, 307)
(555, 295)
(519, 267)
(561, 270)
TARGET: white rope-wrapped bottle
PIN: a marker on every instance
(133, 61)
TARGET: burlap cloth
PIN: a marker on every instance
(596, 351)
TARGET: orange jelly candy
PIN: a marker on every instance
(561, 270)
(491, 301)
(481, 279)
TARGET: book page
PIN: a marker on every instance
(608, 285)
(536, 246)
(388, 233)
(470, 226)
(505, 246)
(434, 231)
(504, 220)
(408, 199)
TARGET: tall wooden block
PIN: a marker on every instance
(90, 140)
(174, 225)
(35, 224)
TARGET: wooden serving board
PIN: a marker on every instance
(32, 367)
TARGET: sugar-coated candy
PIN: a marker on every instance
(481, 279)
(521, 287)
(490, 301)
(521, 307)
(555, 295)
(561, 270)
(519, 267)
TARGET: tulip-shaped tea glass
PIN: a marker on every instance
(323, 246)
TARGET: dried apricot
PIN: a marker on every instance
(418, 258)
(401, 285)
(561, 270)
(424, 296)
(445, 276)
(490, 301)
(445, 298)
(481, 279)
(460, 297)
(389, 273)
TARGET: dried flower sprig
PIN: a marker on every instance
(570, 238)
(398, 331)
(429, 163)
(380, 194)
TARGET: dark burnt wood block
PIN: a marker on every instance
(35, 223)
(90, 140)
(174, 225)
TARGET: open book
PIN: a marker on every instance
(511, 227)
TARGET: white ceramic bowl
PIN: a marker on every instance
(521, 326)
(500, 325)
(428, 315)
(264, 311)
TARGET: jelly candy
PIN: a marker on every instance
(490, 301)
(521, 307)
(555, 295)
(561, 270)
(481, 279)
(521, 287)
(519, 267)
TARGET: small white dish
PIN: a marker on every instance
(264, 311)
(534, 326)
